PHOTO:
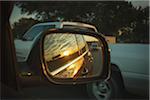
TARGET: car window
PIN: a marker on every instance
(79, 27)
(33, 32)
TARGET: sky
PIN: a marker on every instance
(16, 14)
(142, 3)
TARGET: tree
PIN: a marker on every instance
(20, 27)
(110, 17)
(113, 15)
(141, 29)
(51, 10)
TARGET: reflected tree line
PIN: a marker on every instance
(114, 18)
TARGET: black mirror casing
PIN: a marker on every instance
(106, 58)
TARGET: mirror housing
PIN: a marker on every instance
(58, 79)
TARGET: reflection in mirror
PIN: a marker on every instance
(70, 55)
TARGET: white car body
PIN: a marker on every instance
(23, 48)
(133, 62)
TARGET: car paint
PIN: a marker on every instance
(133, 62)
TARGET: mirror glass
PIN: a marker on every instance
(69, 55)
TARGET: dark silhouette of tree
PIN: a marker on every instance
(20, 27)
(52, 10)
(117, 18)
(141, 30)
(113, 15)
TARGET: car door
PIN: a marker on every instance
(132, 60)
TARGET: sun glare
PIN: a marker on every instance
(66, 53)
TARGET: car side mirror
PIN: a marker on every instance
(67, 58)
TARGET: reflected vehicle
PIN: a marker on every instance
(68, 56)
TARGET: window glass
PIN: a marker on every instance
(79, 27)
(33, 32)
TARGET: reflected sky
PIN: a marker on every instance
(16, 15)
(60, 45)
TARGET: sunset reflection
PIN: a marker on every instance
(66, 53)
(71, 70)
